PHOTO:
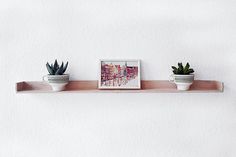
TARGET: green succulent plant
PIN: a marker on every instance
(56, 69)
(182, 70)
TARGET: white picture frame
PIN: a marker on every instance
(119, 74)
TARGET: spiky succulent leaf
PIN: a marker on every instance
(174, 69)
(49, 68)
(65, 67)
(181, 68)
(52, 66)
(56, 66)
(187, 66)
(60, 70)
(190, 71)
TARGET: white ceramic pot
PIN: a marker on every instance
(183, 82)
(57, 82)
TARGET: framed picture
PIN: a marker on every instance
(119, 74)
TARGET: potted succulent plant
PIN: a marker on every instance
(56, 77)
(183, 76)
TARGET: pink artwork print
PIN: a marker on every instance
(120, 74)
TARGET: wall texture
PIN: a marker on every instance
(160, 33)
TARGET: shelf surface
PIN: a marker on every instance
(147, 86)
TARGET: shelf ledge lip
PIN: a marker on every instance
(147, 86)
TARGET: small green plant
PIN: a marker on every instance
(182, 70)
(56, 69)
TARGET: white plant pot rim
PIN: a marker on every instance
(183, 75)
(184, 83)
(59, 83)
(58, 75)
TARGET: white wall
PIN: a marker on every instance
(161, 33)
